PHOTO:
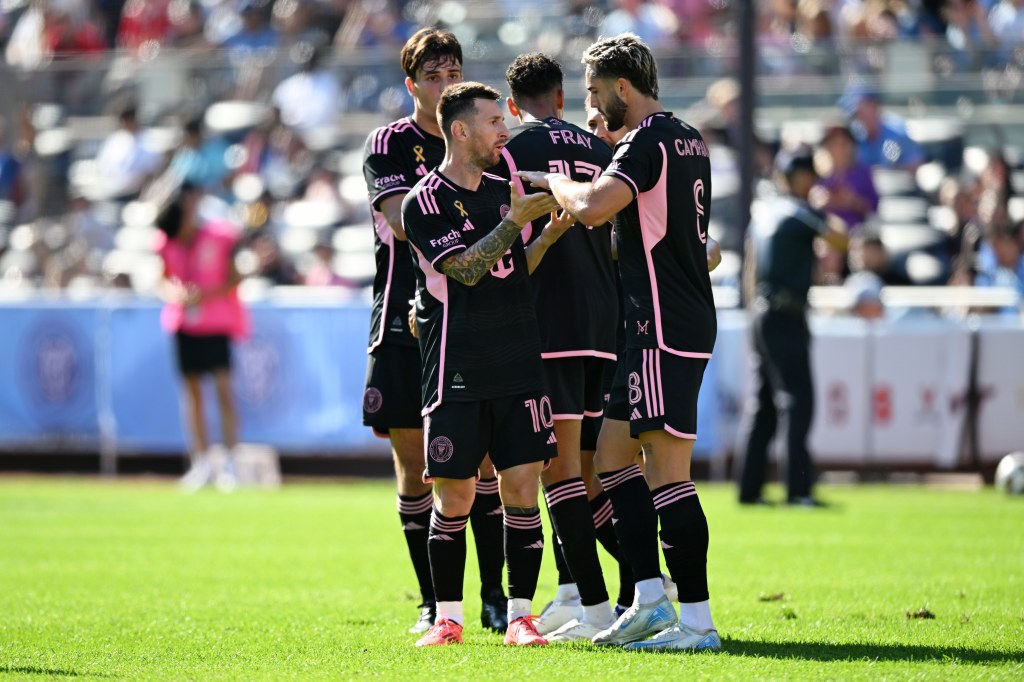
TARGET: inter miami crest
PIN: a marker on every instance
(440, 449)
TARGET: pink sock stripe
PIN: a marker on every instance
(523, 522)
(561, 492)
(616, 478)
(487, 486)
(447, 525)
(602, 515)
(418, 505)
(674, 494)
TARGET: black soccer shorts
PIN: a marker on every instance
(574, 386)
(514, 431)
(654, 389)
(393, 395)
(202, 354)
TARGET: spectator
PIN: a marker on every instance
(865, 289)
(848, 189)
(1001, 262)
(200, 162)
(255, 33)
(1007, 22)
(272, 265)
(868, 253)
(654, 23)
(312, 98)
(11, 181)
(882, 138)
(144, 25)
(124, 164)
(968, 33)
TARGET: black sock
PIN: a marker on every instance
(636, 524)
(601, 509)
(447, 548)
(684, 539)
(574, 525)
(486, 519)
(524, 548)
(414, 511)
(564, 576)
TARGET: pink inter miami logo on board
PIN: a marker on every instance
(440, 449)
(372, 400)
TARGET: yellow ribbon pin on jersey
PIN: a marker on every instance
(419, 154)
(464, 212)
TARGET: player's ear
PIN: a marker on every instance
(512, 108)
(410, 86)
(560, 99)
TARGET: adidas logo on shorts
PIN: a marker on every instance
(551, 439)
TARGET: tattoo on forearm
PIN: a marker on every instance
(471, 265)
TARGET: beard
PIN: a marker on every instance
(614, 113)
(485, 156)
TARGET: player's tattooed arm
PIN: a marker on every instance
(471, 265)
(468, 267)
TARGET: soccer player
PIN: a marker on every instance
(658, 188)
(483, 378)
(395, 157)
(575, 299)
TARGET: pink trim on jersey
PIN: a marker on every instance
(447, 251)
(427, 202)
(588, 413)
(652, 207)
(679, 434)
(378, 197)
(567, 417)
(437, 286)
(386, 237)
(628, 179)
(578, 353)
(527, 230)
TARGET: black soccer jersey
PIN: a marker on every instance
(395, 157)
(479, 342)
(663, 237)
(574, 285)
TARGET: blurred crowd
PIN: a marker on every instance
(246, 99)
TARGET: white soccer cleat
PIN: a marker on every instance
(200, 474)
(227, 479)
(679, 638)
(575, 631)
(671, 590)
(639, 622)
(558, 613)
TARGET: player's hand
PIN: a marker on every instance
(413, 327)
(538, 179)
(558, 225)
(714, 250)
(528, 207)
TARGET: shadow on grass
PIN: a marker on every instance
(817, 651)
(31, 670)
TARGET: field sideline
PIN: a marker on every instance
(133, 580)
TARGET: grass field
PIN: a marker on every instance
(133, 580)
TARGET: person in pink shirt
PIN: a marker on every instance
(203, 311)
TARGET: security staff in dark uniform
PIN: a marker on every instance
(780, 261)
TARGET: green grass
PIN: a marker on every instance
(133, 580)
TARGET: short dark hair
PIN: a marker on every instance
(460, 99)
(624, 56)
(427, 46)
(533, 75)
(168, 220)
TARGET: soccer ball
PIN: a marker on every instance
(1010, 474)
